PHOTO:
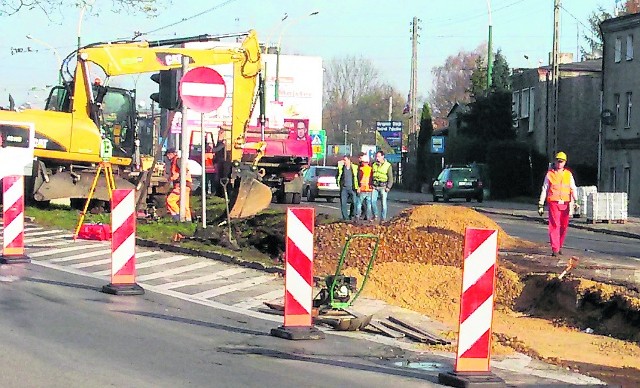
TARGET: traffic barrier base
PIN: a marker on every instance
(123, 289)
(297, 333)
(475, 379)
(17, 259)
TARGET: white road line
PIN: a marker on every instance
(52, 252)
(329, 207)
(234, 287)
(201, 279)
(147, 264)
(48, 244)
(260, 299)
(27, 232)
(91, 263)
(174, 271)
(44, 238)
(80, 256)
(146, 253)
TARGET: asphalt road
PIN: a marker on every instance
(58, 330)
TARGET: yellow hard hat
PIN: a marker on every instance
(561, 156)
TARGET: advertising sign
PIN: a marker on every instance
(389, 139)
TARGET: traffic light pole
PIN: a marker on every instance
(184, 156)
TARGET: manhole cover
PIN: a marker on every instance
(422, 365)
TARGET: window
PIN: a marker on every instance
(629, 52)
(629, 104)
(515, 105)
(617, 50)
(627, 180)
(612, 177)
(531, 107)
(616, 104)
(524, 103)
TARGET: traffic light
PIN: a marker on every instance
(167, 96)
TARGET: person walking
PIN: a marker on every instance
(382, 182)
(348, 182)
(365, 187)
(173, 198)
(558, 189)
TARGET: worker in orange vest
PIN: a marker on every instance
(208, 184)
(558, 189)
(365, 187)
(173, 199)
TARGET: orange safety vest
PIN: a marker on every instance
(559, 186)
(175, 174)
(365, 173)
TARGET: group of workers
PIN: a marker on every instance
(361, 185)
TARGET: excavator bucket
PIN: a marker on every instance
(251, 197)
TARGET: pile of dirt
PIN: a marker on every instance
(418, 266)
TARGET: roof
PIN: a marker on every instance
(620, 23)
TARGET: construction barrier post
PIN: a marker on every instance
(13, 220)
(476, 313)
(298, 278)
(123, 245)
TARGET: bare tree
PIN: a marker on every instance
(49, 7)
(452, 81)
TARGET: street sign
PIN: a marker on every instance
(390, 139)
(437, 144)
(202, 89)
(318, 143)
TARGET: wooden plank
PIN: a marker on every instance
(409, 333)
(271, 311)
(419, 330)
(386, 331)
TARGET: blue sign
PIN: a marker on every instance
(391, 133)
(437, 144)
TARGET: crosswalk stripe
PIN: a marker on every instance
(202, 279)
(44, 238)
(80, 256)
(173, 271)
(28, 233)
(52, 252)
(146, 253)
(47, 244)
(260, 299)
(147, 264)
(91, 263)
(233, 287)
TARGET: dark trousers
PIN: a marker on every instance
(345, 194)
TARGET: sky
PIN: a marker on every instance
(377, 30)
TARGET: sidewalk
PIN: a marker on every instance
(630, 229)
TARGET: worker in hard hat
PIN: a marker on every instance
(558, 189)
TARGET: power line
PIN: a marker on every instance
(187, 18)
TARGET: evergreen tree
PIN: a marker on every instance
(479, 78)
(424, 169)
(501, 74)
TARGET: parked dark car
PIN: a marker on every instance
(320, 182)
(458, 182)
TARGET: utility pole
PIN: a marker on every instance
(390, 107)
(413, 92)
(555, 76)
(490, 50)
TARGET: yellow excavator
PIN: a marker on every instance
(81, 113)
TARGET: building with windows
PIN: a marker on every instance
(620, 139)
(579, 86)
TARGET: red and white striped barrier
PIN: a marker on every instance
(298, 281)
(476, 311)
(123, 245)
(13, 220)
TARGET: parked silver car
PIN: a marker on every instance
(320, 182)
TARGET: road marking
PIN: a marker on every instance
(145, 254)
(63, 250)
(27, 232)
(80, 256)
(49, 244)
(260, 299)
(91, 263)
(147, 264)
(329, 207)
(173, 271)
(202, 279)
(32, 240)
(234, 287)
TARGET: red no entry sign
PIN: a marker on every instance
(202, 89)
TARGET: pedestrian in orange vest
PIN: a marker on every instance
(365, 187)
(173, 198)
(558, 189)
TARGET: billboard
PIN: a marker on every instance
(389, 139)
